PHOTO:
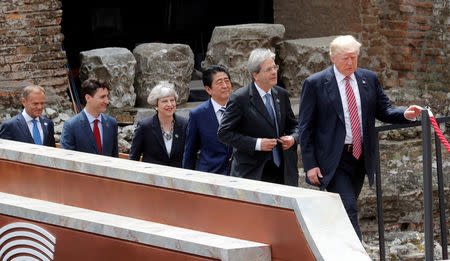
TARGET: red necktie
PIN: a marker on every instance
(354, 119)
(97, 136)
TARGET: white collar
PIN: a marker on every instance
(92, 118)
(28, 117)
(215, 105)
(340, 77)
(261, 91)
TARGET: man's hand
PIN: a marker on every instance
(286, 141)
(313, 175)
(268, 144)
(412, 112)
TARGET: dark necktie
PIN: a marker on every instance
(98, 139)
(36, 135)
(354, 119)
(275, 152)
(222, 110)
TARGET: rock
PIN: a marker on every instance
(50, 113)
(127, 132)
(117, 67)
(124, 146)
(162, 62)
(300, 58)
(231, 46)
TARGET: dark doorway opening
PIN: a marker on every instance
(90, 24)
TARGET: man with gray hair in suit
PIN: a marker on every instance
(259, 124)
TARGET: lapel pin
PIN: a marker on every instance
(364, 81)
(278, 100)
(45, 123)
(176, 135)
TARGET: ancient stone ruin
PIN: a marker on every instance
(116, 66)
(162, 62)
(231, 45)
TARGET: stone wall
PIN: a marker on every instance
(406, 42)
(30, 50)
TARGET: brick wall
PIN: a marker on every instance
(30, 50)
(404, 41)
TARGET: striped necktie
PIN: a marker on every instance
(354, 119)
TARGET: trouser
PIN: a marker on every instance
(348, 181)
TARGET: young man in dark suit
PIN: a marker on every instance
(260, 125)
(29, 126)
(337, 124)
(201, 133)
(91, 130)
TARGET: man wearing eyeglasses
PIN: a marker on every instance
(259, 124)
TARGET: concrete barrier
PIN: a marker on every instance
(298, 224)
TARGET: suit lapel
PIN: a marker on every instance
(256, 101)
(23, 127)
(276, 102)
(362, 87)
(44, 126)
(86, 128)
(106, 127)
(176, 144)
(211, 114)
(331, 87)
(156, 129)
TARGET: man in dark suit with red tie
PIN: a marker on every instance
(29, 126)
(92, 130)
(260, 126)
(337, 124)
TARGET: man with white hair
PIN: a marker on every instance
(260, 126)
(337, 124)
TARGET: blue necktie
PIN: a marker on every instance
(36, 134)
(222, 110)
(275, 152)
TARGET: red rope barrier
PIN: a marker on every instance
(438, 131)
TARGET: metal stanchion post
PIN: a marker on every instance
(427, 186)
(379, 204)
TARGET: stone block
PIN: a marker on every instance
(300, 58)
(163, 62)
(231, 46)
(117, 67)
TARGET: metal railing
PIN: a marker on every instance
(427, 184)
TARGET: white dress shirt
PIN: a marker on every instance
(341, 85)
(216, 108)
(29, 122)
(91, 120)
(262, 93)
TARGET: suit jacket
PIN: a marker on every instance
(78, 135)
(201, 134)
(16, 129)
(148, 141)
(322, 125)
(246, 119)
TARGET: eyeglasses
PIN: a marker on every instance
(275, 68)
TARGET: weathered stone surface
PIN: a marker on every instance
(117, 67)
(163, 62)
(402, 245)
(231, 45)
(300, 58)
